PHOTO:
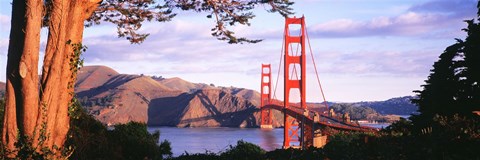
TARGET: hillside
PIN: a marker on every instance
(179, 84)
(118, 98)
(383, 111)
(398, 106)
(93, 76)
(205, 108)
(123, 98)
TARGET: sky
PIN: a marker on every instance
(365, 50)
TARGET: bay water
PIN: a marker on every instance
(201, 140)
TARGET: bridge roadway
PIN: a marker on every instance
(322, 120)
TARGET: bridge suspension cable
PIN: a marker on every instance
(279, 68)
(315, 67)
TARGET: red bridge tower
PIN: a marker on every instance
(266, 85)
(292, 63)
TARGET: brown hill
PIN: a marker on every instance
(123, 98)
(204, 108)
(93, 76)
(248, 94)
(119, 98)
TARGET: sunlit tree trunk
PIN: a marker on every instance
(32, 112)
(21, 108)
(65, 28)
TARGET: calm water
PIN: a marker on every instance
(199, 140)
(377, 125)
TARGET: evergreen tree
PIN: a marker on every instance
(453, 86)
(471, 72)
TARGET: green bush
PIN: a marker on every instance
(90, 139)
(133, 141)
(87, 136)
(243, 151)
(401, 127)
(291, 153)
(198, 156)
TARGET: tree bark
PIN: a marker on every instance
(58, 78)
(31, 113)
(21, 107)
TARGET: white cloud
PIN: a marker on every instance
(177, 47)
(407, 24)
(427, 20)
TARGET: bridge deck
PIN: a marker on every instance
(323, 119)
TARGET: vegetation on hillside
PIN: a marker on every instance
(355, 112)
(398, 106)
(90, 139)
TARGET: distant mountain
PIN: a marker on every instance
(398, 106)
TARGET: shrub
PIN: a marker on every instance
(90, 139)
(291, 153)
(243, 151)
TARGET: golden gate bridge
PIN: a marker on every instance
(303, 126)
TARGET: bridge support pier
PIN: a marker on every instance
(319, 141)
(266, 126)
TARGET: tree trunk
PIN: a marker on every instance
(41, 116)
(21, 107)
(59, 75)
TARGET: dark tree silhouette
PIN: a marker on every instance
(453, 86)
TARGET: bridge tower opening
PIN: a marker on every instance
(266, 88)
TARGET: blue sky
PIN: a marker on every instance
(364, 49)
